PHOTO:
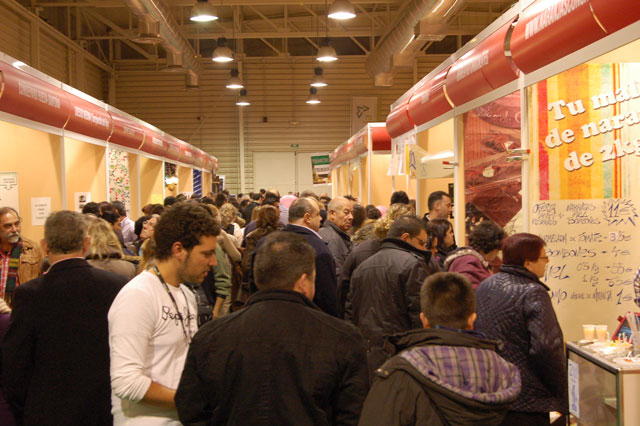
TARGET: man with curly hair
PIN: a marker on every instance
(153, 318)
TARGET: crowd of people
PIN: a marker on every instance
(262, 309)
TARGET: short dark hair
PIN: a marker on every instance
(308, 193)
(399, 197)
(271, 199)
(359, 216)
(170, 200)
(486, 236)
(120, 208)
(185, 223)
(438, 228)
(64, 231)
(257, 196)
(435, 197)
(157, 209)
(300, 207)
(519, 248)
(139, 223)
(91, 208)
(405, 224)
(373, 212)
(180, 197)
(447, 299)
(281, 259)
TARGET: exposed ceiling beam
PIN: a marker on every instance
(176, 3)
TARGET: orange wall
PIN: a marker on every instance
(355, 180)
(185, 179)
(364, 197)
(206, 183)
(381, 189)
(86, 171)
(36, 157)
(436, 139)
(151, 181)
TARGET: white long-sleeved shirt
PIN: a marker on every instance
(147, 344)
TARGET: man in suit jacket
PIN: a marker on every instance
(304, 219)
(55, 361)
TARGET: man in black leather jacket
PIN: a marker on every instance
(280, 360)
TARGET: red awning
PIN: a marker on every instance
(126, 132)
(429, 101)
(380, 139)
(199, 158)
(398, 121)
(481, 70)
(29, 97)
(154, 142)
(187, 153)
(551, 29)
(173, 148)
(616, 14)
(88, 118)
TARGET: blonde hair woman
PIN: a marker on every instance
(228, 216)
(105, 251)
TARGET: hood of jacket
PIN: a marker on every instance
(463, 251)
(460, 371)
(397, 243)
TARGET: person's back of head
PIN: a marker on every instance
(447, 299)
(169, 201)
(157, 209)
(373, 212)
(271, 199)
(282, 261)
(405, 225)
(91, 208)
(299, 208)
(120, 208)
(184, 223)
(256, 197)
(109, 213)
(103, 241)
(139, 223)
(180, 198)
(268, 217)
(196, 196)
(486, 237)
(518, 248)
(382, 225)
(399, 197)
(308, 193)
(65, 232)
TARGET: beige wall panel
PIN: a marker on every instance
(206, 183)
(185, 179)
(436, 139)
(134, 189)
(95, 81)
(151, 180)
(355, 181)
(14, 35)
(47, 163)
(54, 59)
(364, 197)
(381, 188)
(85, 166)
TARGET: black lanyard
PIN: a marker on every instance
(185, 330)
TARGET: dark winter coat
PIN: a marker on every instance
(359, 254)
(338, 241)
(514, 307)
(384, 297)
(470, 263)
(278, 361)
(441, 377)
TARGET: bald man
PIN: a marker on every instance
(334, 230)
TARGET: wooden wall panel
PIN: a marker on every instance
(15, 38)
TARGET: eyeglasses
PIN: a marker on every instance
(421, 241)
(544, 257)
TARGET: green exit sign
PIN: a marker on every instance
(295, 145)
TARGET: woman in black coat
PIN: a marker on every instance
(514, 306)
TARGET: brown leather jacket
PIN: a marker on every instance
(30, 261)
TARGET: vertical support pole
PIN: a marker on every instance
(458, 182)
(526, 163)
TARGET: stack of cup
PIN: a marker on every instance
(602, 335)
(589, 331)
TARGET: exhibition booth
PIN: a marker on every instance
(360, 165)
(62, 148)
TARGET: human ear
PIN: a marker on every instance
(471, 320)
(424, 320)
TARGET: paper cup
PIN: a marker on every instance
(589, 331)
(601, 333)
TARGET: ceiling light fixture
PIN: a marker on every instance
(242, 99)
(222, 53)
(203, 11)
(342, 9)
(318, 79)
(326, 53)
(234, 82)
(313, 98)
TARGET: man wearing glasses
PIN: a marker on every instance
(384, 297)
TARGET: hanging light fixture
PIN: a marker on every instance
(326, 53)
(318, 79)
(342, 9)
(242, 99)
(222, 52)
(234, 82)
(203, 11)
(313, 98)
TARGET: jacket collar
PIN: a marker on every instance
(523, 272)
(464, 251)
(439, 336)
(282, 295)
(397, 243)
(299, 229)
(343, 235)
(73, 262)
